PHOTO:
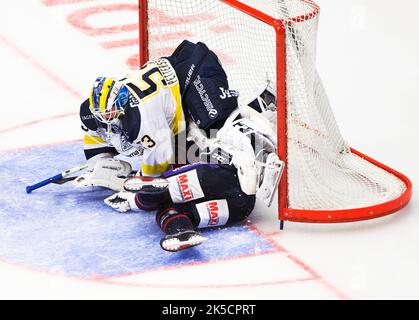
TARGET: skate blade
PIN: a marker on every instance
(267, 199)
(270, 198)
(137, 183)
(174, 245)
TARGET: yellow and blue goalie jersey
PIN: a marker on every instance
(149, 124)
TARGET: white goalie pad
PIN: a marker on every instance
(261, 122)
(244, 123)
(198, 136)
(246, 172)
(242, 158)
(270, 170)
(108, 173)
(233, 145)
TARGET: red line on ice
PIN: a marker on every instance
(56, 79)
(60, 2)
(215, 286)
(49, 74)
(45, 145)
(33, 122)
(189, 264)
(300, 263)
(313, 275)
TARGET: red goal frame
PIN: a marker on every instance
(285, 212)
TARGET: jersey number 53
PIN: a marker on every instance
(153, 80)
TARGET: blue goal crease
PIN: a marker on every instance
(61, 229)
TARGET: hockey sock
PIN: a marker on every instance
(151, 198)
(171, 221)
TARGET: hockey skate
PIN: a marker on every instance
(265, 99)
(181, 240)
(270, 170)
(124, 201)
(139, 183)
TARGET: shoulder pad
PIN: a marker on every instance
(131, 123)
(86, 116)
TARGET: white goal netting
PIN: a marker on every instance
(323, 173)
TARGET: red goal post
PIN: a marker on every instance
(316, 153)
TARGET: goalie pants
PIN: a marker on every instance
(200, 195)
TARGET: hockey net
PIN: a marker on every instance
(274, 42)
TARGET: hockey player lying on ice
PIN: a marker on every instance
(129, 127)
(216, 193)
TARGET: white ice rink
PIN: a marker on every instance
(368, 57)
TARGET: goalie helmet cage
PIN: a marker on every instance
(273, 42)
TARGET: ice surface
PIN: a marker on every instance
(64, 229)
(370, 70)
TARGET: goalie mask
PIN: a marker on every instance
(108, 99)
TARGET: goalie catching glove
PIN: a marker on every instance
(107, 172)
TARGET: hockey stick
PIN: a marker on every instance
(59, 178)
